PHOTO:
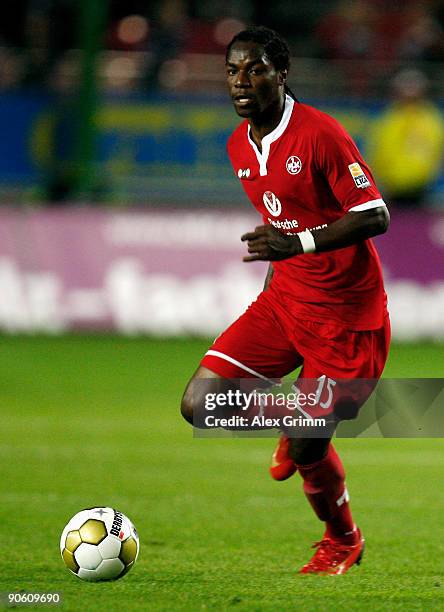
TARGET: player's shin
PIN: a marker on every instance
(325, 489)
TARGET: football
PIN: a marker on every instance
(99, 544)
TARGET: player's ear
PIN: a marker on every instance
(282, 77)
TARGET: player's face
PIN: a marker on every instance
(253, 82)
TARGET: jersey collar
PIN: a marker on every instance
(262, 158)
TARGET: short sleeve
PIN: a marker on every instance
(340, 162)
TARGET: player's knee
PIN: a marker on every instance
(305, 451)
(187, 408)
(193, 400)
(202, 389)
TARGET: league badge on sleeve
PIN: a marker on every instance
(359, 176)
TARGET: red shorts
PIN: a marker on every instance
(267, 342)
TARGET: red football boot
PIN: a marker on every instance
(282, 466)
(333, 558)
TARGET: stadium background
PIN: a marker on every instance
(119, 258)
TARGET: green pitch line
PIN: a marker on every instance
(94, 421)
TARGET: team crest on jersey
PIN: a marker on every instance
(243, 173)
(272, 203)
(359, 176)
(294, 165)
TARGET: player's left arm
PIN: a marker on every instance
(267, 243)
(338, 160)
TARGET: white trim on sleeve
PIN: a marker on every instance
(368, 205)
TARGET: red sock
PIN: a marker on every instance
(324, 486)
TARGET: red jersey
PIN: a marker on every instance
(309, 174)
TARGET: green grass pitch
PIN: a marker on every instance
(94, 421)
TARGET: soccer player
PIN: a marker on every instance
(323, 306)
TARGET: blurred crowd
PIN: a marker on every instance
(146, 42)
(406, 143)
(383, 51)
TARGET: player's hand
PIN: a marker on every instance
(267, 243)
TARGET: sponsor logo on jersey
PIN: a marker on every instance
(243, 173)
(359, 175)
(285, 224)
(292, 224)
(272, 203)
(294, 165)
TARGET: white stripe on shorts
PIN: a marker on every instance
(239, 365)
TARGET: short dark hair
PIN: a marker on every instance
(275, 47)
